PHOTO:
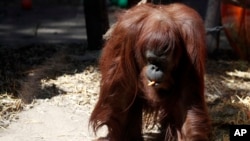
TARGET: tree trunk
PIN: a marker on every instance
(97, 23)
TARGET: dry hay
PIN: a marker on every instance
(226, 112)
(228, 95)
(9, 107)
(14, 62)
(73, 74)
(41, 74)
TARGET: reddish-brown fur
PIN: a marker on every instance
(178, 106)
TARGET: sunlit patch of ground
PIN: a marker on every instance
(67, 75)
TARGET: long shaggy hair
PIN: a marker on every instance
(175, 32)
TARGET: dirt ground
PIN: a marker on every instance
(66, 87)
(62, 84)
